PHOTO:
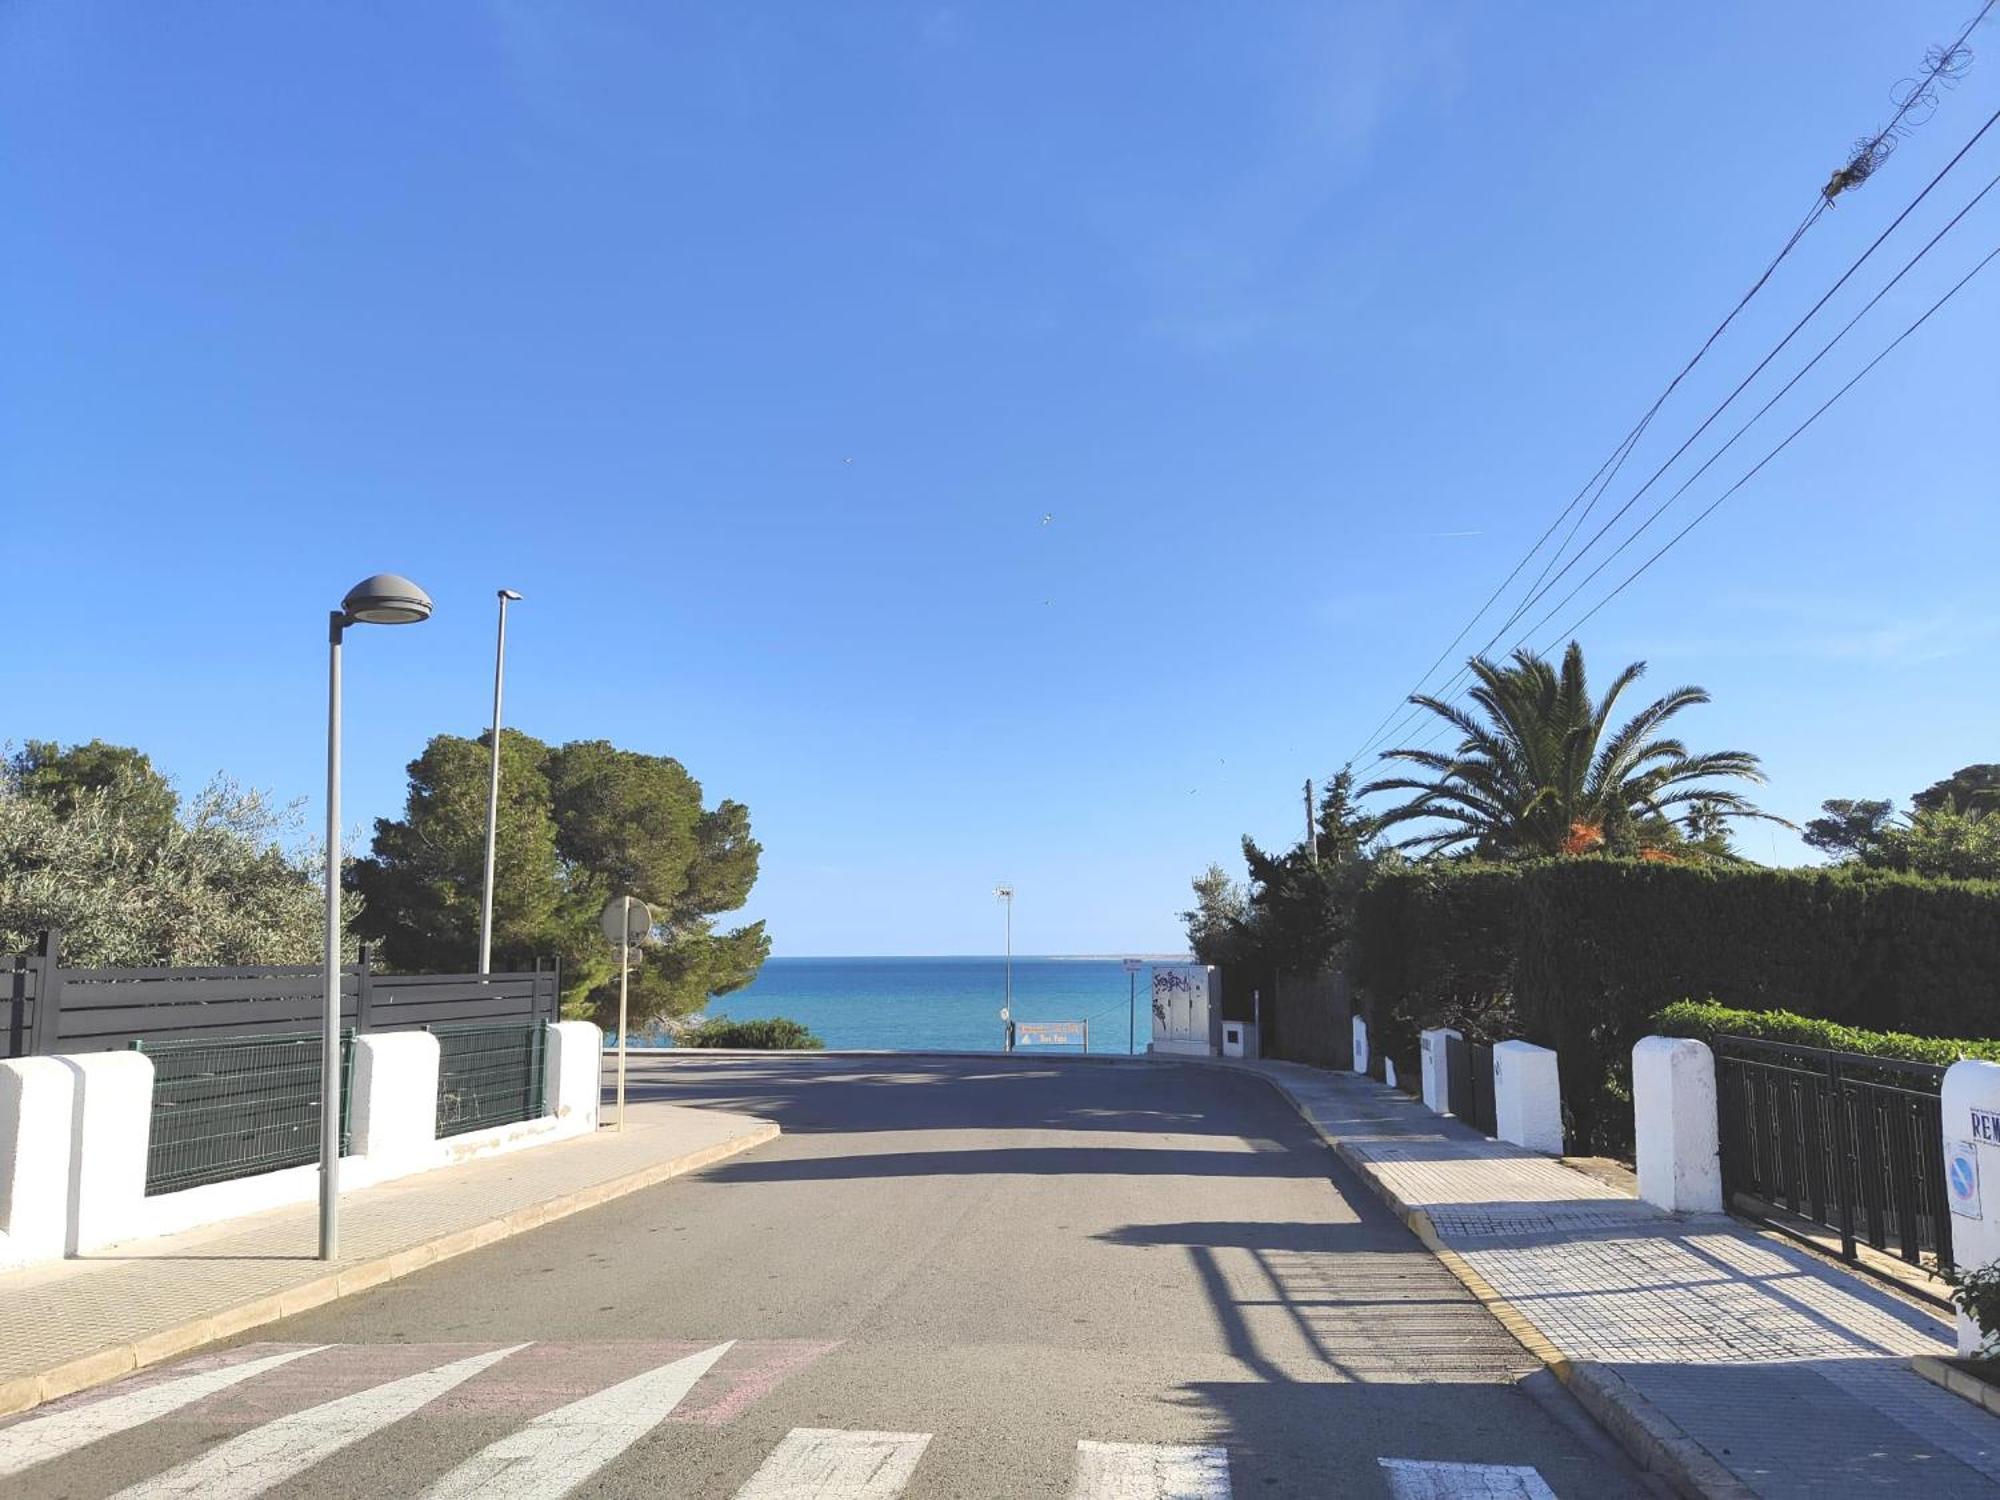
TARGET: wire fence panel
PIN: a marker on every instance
(237, 1106)
(489, 1075)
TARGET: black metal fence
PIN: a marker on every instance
(489, 1075)
(1852, 1142)
(235, 1106)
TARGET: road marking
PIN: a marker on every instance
(1416, 1479)
(560, 1449)
(253, 1462)
(1149, 1471)
(40, 1439)
(826, 1463)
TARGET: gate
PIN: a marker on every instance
(1852, 1142)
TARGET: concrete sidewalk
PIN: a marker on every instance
(1727, 1360)
(77, 1323)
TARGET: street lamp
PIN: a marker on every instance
(385, 599)
(493, 790)
(1006, 894)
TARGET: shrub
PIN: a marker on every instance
(1582, 954)
(1434, 945)
(1704, 1020)
(774, 1035)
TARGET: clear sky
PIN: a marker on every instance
(994, 441)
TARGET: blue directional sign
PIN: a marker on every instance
(1961, 1175)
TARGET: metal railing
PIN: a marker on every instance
(489, 1075)
(234, 1106)
(1855, 1143)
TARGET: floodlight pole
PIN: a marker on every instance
(624, 977)
(384, 599)
(493, 790)
(329, 1062)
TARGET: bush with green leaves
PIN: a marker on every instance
(1581, 954)
(96, 844)
(776, 1034)
(1977, 1295)
(1704, 1020)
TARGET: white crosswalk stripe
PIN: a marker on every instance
(1417, 1479)
(826, 1463)
(560, 1449)
(1149, 1471)
(264, 1456)
(39, 1439)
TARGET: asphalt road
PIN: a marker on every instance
(1008, 1258)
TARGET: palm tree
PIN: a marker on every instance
(1533, 773)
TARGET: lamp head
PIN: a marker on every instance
(386, 599)
(510, 594)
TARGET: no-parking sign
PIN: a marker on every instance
(1961, 1175)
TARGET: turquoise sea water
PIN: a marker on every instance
(942, 1004)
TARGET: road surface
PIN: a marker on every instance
(957, 1279)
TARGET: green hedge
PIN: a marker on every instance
(774, 1035)
(1581, 955)
(1434, 945)
(1704, 1020)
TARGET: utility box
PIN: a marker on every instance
(1239, 1039)
(1187, 1010)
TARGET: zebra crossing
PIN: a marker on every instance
(285, 1435)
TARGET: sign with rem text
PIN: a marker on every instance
(1986, 1126)
(1051, 1033)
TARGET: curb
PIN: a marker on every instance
(1944, 1373)
(1654, 1442)
(24, 1392)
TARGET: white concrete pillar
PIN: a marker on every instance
(1673, 1107)
(1389, 1071)
(1436, 1062)
(1971, 1106)
(1527, 1097)
(392, 1116)
(111, 1120)
(1361, 1045)
(575, 1063)
(37, 1103)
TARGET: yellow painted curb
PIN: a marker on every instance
(96, 1368)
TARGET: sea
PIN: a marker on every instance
(948, 1004)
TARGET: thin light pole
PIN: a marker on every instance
(1131, 1012)
(624, 976)
(329, 1060)
(384, 599)
(493, 789)
(1006, 894)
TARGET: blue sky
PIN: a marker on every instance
(992, 441)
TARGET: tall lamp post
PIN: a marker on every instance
(1006, 894)
(507, 596)
(385, 599)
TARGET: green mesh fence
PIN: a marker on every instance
(236, 1106)
(489, 1075)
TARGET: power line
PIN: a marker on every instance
(1413, 713)
(1782, 391)
(1710, 508)
(1944, 62)
(1611, 464)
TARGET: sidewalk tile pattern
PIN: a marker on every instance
(1792, 1372)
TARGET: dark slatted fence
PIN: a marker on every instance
(236, 1051)
(1852, 1142)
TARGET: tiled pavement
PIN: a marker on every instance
(1790, 1372)
(73, 1323)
